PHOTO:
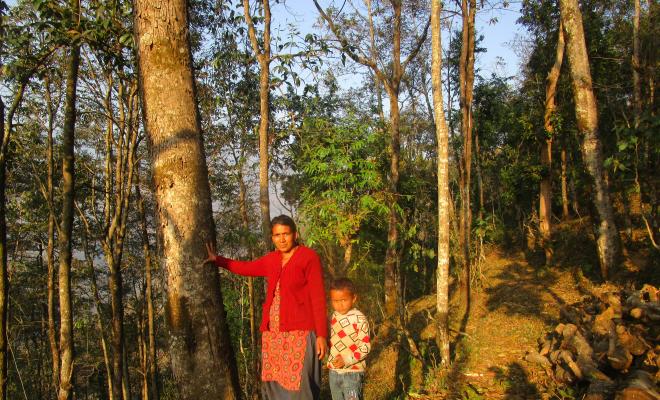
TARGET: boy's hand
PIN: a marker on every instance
(210, 252)
(338, 362)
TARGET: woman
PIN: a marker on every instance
(294, 326)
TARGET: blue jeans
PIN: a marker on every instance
(347, 386)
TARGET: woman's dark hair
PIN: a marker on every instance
(283, 220)
(343, 284)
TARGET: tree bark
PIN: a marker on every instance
(587, 121)
(203, 361)
(466, 78)
(50, 250)
(637, 87)
(442, 137)
(545, 191)
(4, 280)
(65, 232)
(264, 58)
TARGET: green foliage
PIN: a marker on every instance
(340, 163)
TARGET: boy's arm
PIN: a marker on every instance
(362, 344)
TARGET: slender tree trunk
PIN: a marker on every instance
(245, 223)
(466, 73)
(480, 181)
(6, 117)
(125, 382)
(97, 303)
(65, 231)
(564, 185)
(392, 283)
(4, 280)
(378, 84)
(264, 58)
(152, 370)
(545, 192)
(203, 362)
(587, 120)
(142, 348)
(636, 66)
(50, 250)
(442, 137)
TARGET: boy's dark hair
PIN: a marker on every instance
(343, 284)
(283, 220)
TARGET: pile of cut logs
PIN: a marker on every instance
(609, 344)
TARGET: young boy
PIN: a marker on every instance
(349, 342)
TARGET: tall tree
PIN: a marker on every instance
(466, 90)
(442, 138)
(391, 81)
(4, 281)
(65, 231)
(263, 55)
(545, 191)
(203, 361)
(586, 114)
(52, 222)
(637, 87)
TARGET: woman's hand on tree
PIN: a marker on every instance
(210, 252)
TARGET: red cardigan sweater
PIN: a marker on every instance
(302, 292)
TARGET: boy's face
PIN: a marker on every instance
(342, 300)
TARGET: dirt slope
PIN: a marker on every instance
(516, 304)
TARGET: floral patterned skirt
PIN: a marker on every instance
(282, 353)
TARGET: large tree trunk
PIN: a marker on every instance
(203, 362)
(264, 58)
(466, 73)
(65, 231)
(442, 137)
(545, 192)
(586, 114)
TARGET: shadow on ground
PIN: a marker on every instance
(517, 292)
(518, 386)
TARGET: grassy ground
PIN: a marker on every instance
(518, 301)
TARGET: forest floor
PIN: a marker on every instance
(515, 306)
(517, 302)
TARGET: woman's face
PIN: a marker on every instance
(283, 238)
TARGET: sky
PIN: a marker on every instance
(499, 36)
